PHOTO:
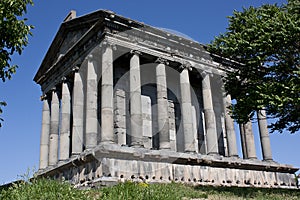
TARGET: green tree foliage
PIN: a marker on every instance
(13, 35)
(266, 43)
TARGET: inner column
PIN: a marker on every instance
(162, 105)
(209, 114)
(78, 110)
(135, 101)
(54, 123)
(44, 146)
(243, 140)
(264, 135)
(229, 126)
(249, 139)
(91, 104)
(107, 101)
(64, 147)
(186, 109)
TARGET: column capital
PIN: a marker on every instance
(43, 97)
(206, 73)
(162, 61)
(64, 79)
(75, 69)
(135, 52)
(261, 114)
(90, 57)
(54, 89)
(186, 65)
(105, 43)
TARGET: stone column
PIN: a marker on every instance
(243, 140)
(186, 109)
(54, 125)
(229, 126)
(135, 101)
(120, 116)
(64, 146)
(249, 139)
(162, 105)
(264, 135)
(107, 101)
(172, 125)
(78, 110)
(91, 104)
(209, 115)
(44, 146)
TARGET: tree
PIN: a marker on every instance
(13, 36)
(265, 41)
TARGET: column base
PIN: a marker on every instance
(113, 163)
(234, 156)
(268, 160)
(252, 158)
(137, 146)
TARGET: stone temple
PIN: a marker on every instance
(123, 100)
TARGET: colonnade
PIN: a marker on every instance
(70, 120)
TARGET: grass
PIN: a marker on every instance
(50, 189)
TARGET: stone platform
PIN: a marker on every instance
(109, 163)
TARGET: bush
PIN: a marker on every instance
(51, 189)
(42, 189)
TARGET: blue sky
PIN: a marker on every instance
(200, 20)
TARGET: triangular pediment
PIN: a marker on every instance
(69, 33)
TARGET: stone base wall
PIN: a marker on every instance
(124, 163)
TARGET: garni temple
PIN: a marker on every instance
(123, 100)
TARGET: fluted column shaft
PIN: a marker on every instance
(186, 111)
(264, 135)
(229, 126)
(209, 115)
(107, 101)
(54, 125)
(64, 146)
(243, 140)
(135, 101)
(249, 139)
(91, 104)
(44, 146)
(162, 107)
(78, 110)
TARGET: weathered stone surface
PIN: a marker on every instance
(231, 137)
(172, 125)
(54, 125)
(186, 110)
(264, 135)
(64, 145)
(147, 121)
(162, 107)
(113, 163)
(249, 138)
(45, 134)
(78, 114)
(131, 118)
(107, 101)
(120, 117)
(135, 101)
(209, 114)
(91, 127)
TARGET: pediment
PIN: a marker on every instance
(69, 33)
(70, 39)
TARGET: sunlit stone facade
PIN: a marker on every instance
(126, 101)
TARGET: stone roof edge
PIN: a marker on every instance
(92, 18)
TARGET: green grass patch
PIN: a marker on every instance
(50, 189)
